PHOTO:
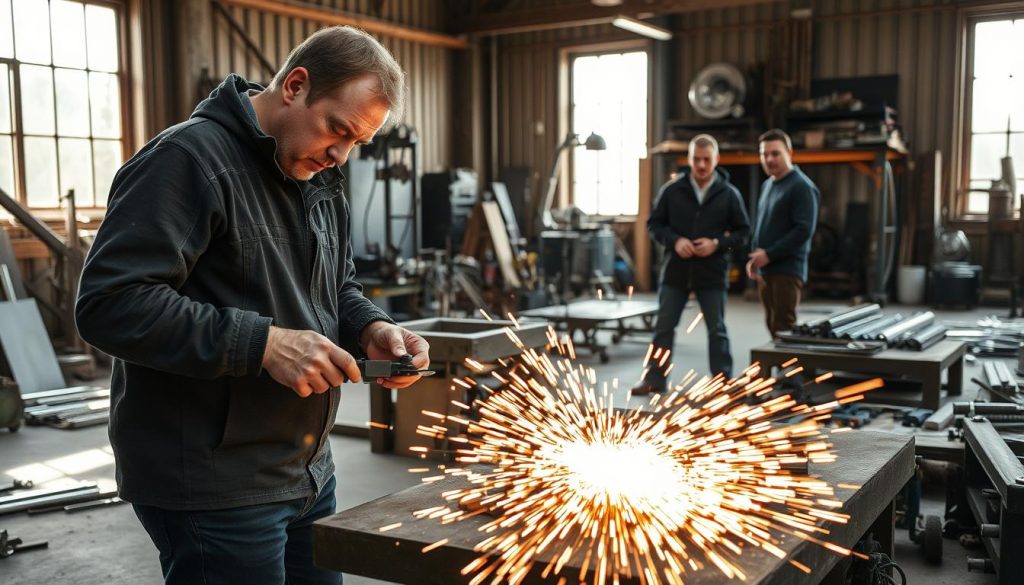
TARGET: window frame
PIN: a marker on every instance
(967, 19)
(566, 179)
(125, 114)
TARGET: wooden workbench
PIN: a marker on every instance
(923, 366)
(351, 541)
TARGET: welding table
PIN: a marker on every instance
(924, 366)
(591, 315)
(351, 541)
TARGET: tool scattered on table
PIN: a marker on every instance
(18, 484)
(373, 369)
(916, 417)
(9, 546)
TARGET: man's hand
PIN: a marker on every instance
(705, 247)
(684, 247)
(306, 361)
(758, 259)
(383, 341)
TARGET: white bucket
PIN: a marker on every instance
(910, 282)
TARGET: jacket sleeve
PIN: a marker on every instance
(739, 224)
(355, 311)
(658, 222)
(803, 215)
(163, 213)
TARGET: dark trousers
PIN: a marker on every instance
(780, 294)
(671, 302)
(266, 544)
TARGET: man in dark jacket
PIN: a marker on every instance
(698, 217)
(221, 280)
(787, 212)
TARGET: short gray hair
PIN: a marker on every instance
(704, 141)
(338, 54)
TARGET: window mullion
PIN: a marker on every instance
(20, 180)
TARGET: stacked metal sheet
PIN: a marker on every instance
(867, 322)
(68, 408)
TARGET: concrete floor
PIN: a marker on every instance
(108, 546)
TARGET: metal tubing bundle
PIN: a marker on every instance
(872, 330)
(825, 325)
(924, 338)
(891, 334)
(68, 408)
(842, 331)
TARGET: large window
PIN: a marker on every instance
(60, 101)
(609, 97)
(996, 123)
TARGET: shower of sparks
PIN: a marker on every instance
(650, 493)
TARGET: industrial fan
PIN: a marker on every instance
(718, 91)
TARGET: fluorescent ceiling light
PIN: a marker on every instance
(642, 28)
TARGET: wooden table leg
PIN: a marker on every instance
(955, 375)
(931, 388)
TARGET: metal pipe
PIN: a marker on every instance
(33, 397)
(927, 337)
(872, 329)
(844, 329)
(991, 376)
(64, 497)
(919, 320)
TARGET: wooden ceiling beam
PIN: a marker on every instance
(585, 13)
(331, 16)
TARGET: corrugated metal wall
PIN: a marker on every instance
(915, 39)
(427, 67)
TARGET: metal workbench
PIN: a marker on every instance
(922, 366)
(592, 315)
(351, 541)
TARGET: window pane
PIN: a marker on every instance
(5, 100)
(6, 35)
(990, 104)
(101, 25)
(1016, 103)
(68, 20)
(41, 172)
(72, 102)
(1017, 153)
(32, 31)
(992, 41)
(610, 99)
(977, 203)
(76, 169)
(107, 158)
(6, 165)
(37, 99)
(986, 151)
(106, 105)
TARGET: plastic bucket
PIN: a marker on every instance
(910, 282)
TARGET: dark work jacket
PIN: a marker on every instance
(204, 245)
(677, 214)
(787, 213)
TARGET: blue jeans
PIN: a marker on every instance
(265, 544)
(671, 302)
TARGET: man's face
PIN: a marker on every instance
(703, 160)
(776, 159)
(315, 136)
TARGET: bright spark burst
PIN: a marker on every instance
(650, 493)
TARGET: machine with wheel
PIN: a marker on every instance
(12, 407)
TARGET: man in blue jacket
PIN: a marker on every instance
(222, 282)
(698, 217)
(787, 212)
